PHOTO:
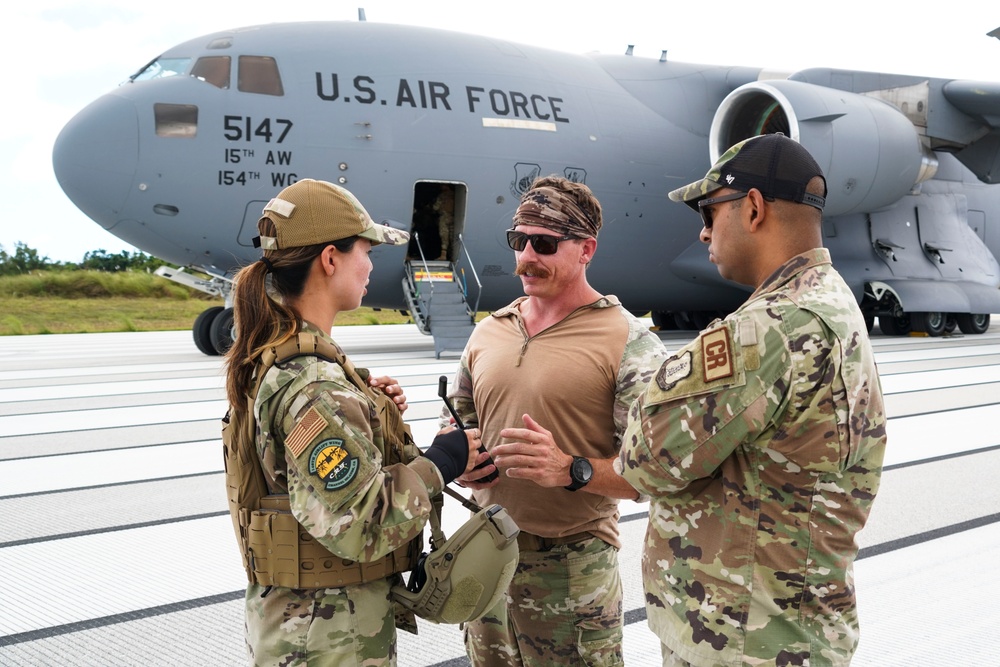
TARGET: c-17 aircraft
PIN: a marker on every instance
(439, 133)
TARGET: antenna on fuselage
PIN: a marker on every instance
(361, 14)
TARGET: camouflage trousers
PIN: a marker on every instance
(671, 659)
(563, 607)
(351, 626)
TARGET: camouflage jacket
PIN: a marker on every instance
(320, 441)
(761, 445)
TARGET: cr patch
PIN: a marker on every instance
(716, 352)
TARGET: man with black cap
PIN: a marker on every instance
(549, 380)
(761, 442)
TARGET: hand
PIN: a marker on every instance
(533, 455)
(470, 478)
(475, 440)
(390, 388)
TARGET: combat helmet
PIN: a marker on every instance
(463, 577)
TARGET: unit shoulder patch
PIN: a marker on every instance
(673, 371)
(333, 464)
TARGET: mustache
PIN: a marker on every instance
(534, 269)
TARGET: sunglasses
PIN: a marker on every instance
(543, 244)
(706, 212)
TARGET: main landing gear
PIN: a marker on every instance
(692, 320)
(882, 301)
(214, 331)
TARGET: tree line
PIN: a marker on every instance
(25, 260)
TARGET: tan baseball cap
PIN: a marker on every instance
(310, 212)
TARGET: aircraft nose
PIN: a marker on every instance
(95, 157)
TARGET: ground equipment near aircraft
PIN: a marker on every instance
(441, 133)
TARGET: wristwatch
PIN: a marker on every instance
(580, 472)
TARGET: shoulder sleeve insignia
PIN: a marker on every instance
(311, 425)
(716, 353)
(333, 464)
(673, 371)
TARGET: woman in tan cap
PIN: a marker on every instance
(328, 493)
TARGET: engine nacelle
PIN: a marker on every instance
(870, 153)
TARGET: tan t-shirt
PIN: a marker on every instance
(577, 379)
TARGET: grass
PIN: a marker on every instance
(53, 315)
(93, 302)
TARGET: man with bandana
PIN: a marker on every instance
(549, 380)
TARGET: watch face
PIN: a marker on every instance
(581, 470)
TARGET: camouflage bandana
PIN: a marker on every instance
(549, 208)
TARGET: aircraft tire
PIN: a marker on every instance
(665, 321)
(202, 331)
(222, 332)
(869, 319)
(932, 323)
(683, 320)
(950, 323)
(972, 323)
(702, 318)
(894, 326)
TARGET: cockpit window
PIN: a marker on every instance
(176, 120)
(259, 74)
(162, 68)
(213, 70)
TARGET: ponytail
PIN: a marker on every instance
(261, 320)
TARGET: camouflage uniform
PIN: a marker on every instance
(564, 605)
(761, 444)
(320, 441)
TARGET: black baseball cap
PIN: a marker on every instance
(774, 164)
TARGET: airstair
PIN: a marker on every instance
(436, 295)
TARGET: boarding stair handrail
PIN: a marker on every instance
(472, 267)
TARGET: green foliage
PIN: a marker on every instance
(23, 260)
(26, 260)
(100, 260)
(74, 284)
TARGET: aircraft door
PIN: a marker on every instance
(438, 221)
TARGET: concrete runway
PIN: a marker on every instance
(116, 547)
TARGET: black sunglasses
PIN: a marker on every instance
(543, 244)
(706, 212)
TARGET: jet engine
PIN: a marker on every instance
(869, 151)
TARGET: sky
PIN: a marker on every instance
(61, 55)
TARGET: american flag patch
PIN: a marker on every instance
(312, 424)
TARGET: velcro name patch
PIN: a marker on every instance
(716, 354)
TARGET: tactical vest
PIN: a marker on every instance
(276, 549)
